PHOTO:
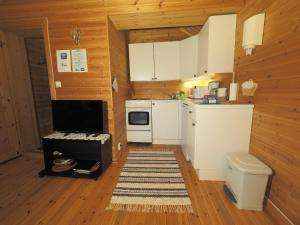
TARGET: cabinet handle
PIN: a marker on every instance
(190, 111)
(193, 124)
(153, 103)
(195, 75)
(205, 71)
(152, 78)
(185, 104)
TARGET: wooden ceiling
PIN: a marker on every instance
(176, 18)
(125, 14)
(162, 34)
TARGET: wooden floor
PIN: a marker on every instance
(27, 199)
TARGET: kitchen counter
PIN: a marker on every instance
(197, 104)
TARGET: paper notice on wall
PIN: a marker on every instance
(63, 59)
(79, 61)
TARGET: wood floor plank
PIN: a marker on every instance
(64, 201)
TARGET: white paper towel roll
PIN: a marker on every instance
(233, 91)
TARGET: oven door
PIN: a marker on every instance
(138, 119)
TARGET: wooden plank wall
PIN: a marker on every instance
(155, 89)
(40, 85)
(20, 88)
(162, 34)
(276, 121)
(118, 51)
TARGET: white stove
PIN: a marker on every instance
(139, 121)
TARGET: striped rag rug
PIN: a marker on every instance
(151, 181)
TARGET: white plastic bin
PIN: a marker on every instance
(246, 180)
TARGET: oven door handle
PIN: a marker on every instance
(139, 110)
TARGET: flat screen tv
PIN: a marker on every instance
(79, 116)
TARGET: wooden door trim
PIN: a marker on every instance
(47, 46)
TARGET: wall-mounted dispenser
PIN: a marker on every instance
(253, 32)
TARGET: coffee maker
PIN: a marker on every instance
(213, 87)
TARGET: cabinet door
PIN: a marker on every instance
(184, 128)
(191, 140)
(165, 119)
(203, 49)
(166, 60)
(221, 43)
(141, 62)
(189, 57)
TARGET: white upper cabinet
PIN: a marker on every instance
(141, 62)
(166, 60)
(154, 61)
(210, 51)
(189, 57)
(216, 45)
(203, 50)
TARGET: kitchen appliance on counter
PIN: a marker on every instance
(138, 121)
(213, 87)
(222, 95)
(198, 92)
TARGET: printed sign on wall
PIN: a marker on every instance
(79, 61)
(63, 59)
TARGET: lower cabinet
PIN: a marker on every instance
(210, 131)
(166, 121)
(188, 132)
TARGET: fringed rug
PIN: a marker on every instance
(151, 182)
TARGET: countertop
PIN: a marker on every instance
(197, 104)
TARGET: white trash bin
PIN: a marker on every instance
(246, 180)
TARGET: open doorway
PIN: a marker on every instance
(39, 83)
(25, 102)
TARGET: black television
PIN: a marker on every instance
(88, 116)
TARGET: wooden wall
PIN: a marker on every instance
(275, 66)
(155, 89)
(19, 84)
(40, 85)
(162, 34)
(118, 52)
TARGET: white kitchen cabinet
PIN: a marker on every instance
(184, 130)
(166, 60)
(154, 61)
(217, 129)
(216, 45)
(141, 62)
(189, 57)
(188, 131)
(191, 124)
(166, 121)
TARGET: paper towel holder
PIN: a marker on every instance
(253, 32)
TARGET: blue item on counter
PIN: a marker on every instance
(210, 99)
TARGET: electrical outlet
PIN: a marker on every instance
(119, 146)
(58, 84)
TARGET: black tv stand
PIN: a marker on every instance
(86, 150)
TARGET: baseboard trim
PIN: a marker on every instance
(276, 213)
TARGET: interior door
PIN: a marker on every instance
(9, 139)
(141, 62)
(166, 60)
